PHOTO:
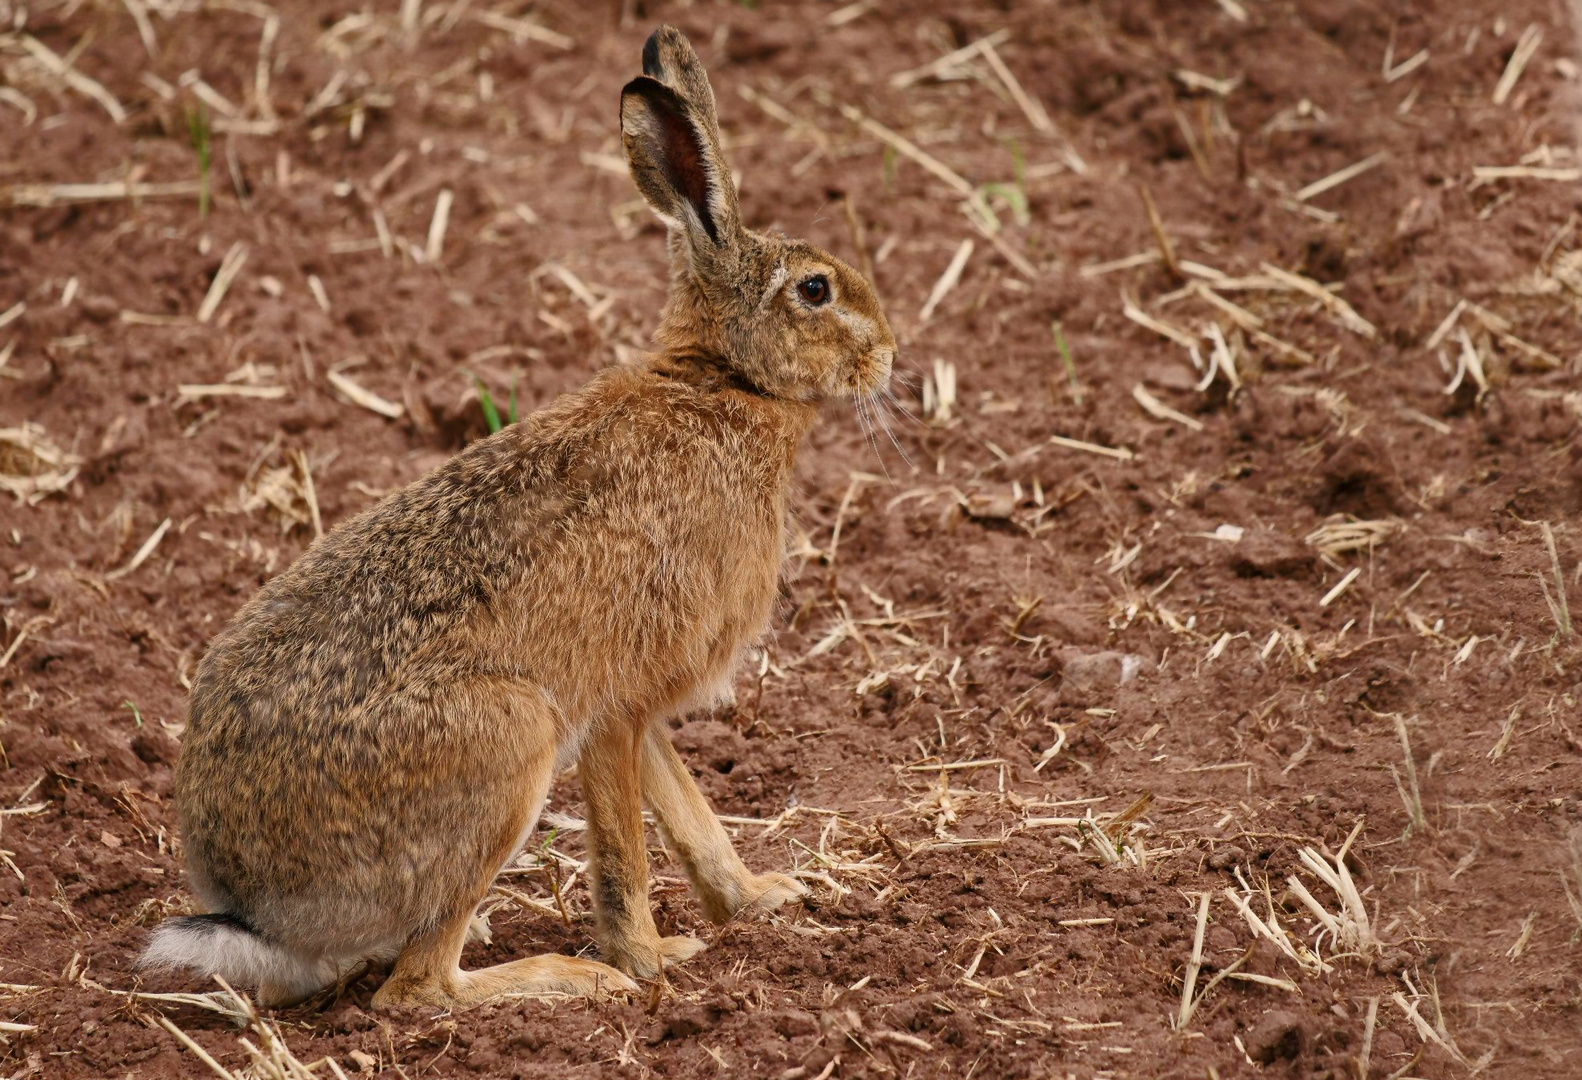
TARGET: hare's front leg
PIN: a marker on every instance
(722, 881)
(625, 923)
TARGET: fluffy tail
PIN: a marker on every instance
(227, 946)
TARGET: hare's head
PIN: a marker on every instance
(788, 317)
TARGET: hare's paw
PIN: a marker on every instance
(645, 959)
(577, 976)
(550, 973)
(765, 892)
(680, 948)
(399, 992)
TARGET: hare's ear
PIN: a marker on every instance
(676, 162)
(669, 57)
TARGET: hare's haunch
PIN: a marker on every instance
(372, 738)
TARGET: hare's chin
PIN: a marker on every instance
(874, 380)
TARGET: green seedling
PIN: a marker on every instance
(491, 413)
(1065, 359)
(137, 714)
(1015, 198)
(1014, 191)
(198, 133)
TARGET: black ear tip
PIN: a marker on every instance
(652, 65)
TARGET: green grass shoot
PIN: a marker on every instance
(1066, 359)
(198, 133)
(1014, 191)
(137, 714)
(1014, 197)
(491, 412)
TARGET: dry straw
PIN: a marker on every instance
(1526, 46)
(32, 467)
(1348, 926)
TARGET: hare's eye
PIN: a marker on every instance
(815, 290)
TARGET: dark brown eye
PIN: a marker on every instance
(815, 290)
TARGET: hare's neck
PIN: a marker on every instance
(778, 425)
(695, 366)
(713, 374)
(685, 325)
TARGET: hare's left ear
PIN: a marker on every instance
(676, 163)
(669, 57)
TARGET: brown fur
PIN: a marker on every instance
(373, 736)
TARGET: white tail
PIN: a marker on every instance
(226, 946)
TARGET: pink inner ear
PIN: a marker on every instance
(682, 158)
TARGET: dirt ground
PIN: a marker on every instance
(1221, 575)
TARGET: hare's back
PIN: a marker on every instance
(631, 506)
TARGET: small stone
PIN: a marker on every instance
(1102, 671)
(994, 506)
(1392, 963)
(1226, 857)
(1387, 1044)
(1221, 940)
(100, 309)
(1278, 1035)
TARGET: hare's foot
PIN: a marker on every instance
(646, 959)
(747, 892)
(546, 974)
(724, 898)
(765, 892)
(305, 981)
(549, 973)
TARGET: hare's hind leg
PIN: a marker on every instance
(428, 973)
(722, 881)
(428, 970)
(613, 793)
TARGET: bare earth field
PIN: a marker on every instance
(1189, 691)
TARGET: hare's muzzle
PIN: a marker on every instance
(873, 371)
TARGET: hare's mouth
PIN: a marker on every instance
(873, 373)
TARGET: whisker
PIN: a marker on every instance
(868, 426)
(895, 401)
(862, 420)
(867, 423)
(883, 412)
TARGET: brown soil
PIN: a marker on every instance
(982, 599)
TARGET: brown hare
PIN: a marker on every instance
(372, 737)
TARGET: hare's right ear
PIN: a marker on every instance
(675, 163)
